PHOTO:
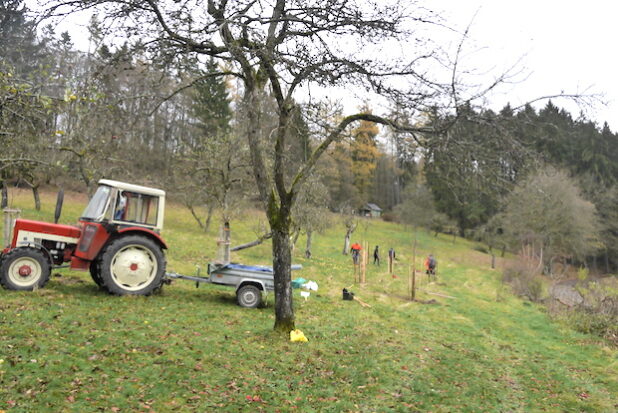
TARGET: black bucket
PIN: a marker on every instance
(348, 295)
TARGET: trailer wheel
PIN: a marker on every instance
(25, 269)
(132, 265)
(249, 296)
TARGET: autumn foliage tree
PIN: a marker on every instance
(365, 155)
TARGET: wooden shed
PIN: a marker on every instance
(371, 210)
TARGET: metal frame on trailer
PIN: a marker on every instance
(235, 275)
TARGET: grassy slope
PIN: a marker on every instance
(71, 347)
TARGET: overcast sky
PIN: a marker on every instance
(558, 45)
(567, 45)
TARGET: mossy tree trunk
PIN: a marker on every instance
(282, 265)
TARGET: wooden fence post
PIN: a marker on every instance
(413, 277)
(413, 283)
(363, 269)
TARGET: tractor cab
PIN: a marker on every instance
(126, 205)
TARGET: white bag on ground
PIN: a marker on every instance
(311, 285)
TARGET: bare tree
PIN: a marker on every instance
(549, 220)
(283, 47)
(214, 174)
(350, 220)
(310, 214)
(24, 122)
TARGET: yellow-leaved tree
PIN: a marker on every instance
(365, 154)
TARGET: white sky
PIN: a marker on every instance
(561, 45)
(566, 45)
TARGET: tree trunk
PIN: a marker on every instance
(37, 197)
(346, 243)
(5, 196)
(294, 237)
(308, 246)
(594, 264)
(197, 218)
(211, 207)
(282, 264)
(252, 243)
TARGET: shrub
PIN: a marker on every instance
(390, 217)
(598, 313)
(523, 280)
(591, 322)
(480, 248)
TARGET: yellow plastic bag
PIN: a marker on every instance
(297, 336)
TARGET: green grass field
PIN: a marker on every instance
(73, 348)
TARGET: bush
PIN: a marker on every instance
(480, 248)
(523, 280)
(598, 313)
(590, 322)
(390, 217)
(442, 223)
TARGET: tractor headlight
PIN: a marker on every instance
(89, 233)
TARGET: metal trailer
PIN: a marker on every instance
(251, 282)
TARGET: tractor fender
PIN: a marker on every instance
(144, 232)
(249, 281)
(37, 246)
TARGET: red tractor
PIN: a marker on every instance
(117, 239)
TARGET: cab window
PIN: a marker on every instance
(136, 208)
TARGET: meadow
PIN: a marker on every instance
(71, 347)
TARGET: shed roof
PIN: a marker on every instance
(373, 207)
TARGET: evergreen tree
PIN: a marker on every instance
(19, 47)
(386, 184)
(472, 168)
(211, 103)
(340, 180)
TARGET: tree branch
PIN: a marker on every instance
(252, 243)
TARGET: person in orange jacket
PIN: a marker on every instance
(430, 265)
(355, 249)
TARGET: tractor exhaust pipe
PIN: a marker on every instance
(10, 215)
(59, 201)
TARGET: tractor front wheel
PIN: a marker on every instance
(25, 269)
(131, 265)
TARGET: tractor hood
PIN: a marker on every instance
(26, 231)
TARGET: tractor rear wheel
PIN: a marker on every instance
(132, 265)
(95, 272)
(25, 269)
